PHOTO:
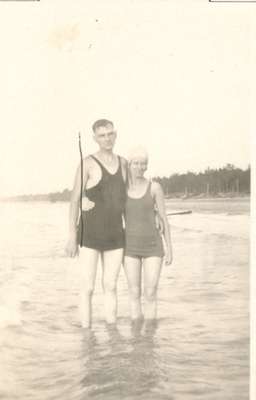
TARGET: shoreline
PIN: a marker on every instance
(227, 197)
(210, 198)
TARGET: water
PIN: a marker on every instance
(199, 348)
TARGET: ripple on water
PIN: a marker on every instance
(198, 350)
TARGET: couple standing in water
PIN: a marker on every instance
(118, 224)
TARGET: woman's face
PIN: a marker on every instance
(138, 166)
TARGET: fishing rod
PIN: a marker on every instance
(81, 190)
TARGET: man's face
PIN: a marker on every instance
(105, 136)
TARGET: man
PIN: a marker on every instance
(100, 231)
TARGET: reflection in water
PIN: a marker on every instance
(199, 350)
(120, 366)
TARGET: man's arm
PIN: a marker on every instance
(72, 246)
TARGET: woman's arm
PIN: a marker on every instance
(158, 195)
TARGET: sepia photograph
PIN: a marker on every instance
(126, 173)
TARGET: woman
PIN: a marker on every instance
(144, 244)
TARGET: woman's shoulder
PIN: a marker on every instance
(156, 188)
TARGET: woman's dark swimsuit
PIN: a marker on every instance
(142, 237)
(103, 225)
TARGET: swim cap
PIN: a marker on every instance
(137, 152)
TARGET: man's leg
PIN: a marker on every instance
(152, 269)
(88, 260)
(111, 264)
(132, 268)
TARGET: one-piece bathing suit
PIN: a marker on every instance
(103, 224)
(142, 236)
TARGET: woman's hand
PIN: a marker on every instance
(159, 223)
(168, 257)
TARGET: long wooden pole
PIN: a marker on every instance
(81, 190)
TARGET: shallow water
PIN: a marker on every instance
(228, 206)
(199, 348)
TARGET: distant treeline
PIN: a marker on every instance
(211, 182)
(53, 197)
(226, 181)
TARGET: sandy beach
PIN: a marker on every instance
(199, 348)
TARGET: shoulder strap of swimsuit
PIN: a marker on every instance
(97, 161)
(103, 167)
(120, 169)
(149, 185)
(119, 162)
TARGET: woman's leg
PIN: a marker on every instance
(132, 268)
(88, 260)
(152, 269)
(111, 264)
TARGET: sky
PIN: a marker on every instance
(174, 76)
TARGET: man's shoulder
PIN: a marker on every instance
(88, 160)
(124, 165)
(123, 161)
(88, 163)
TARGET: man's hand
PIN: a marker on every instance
(71, 248)
(168, 257)
(87, 204)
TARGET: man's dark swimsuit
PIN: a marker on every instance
(102, 225)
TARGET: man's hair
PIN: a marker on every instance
(101, 122)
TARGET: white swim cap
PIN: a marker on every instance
(137, 152)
